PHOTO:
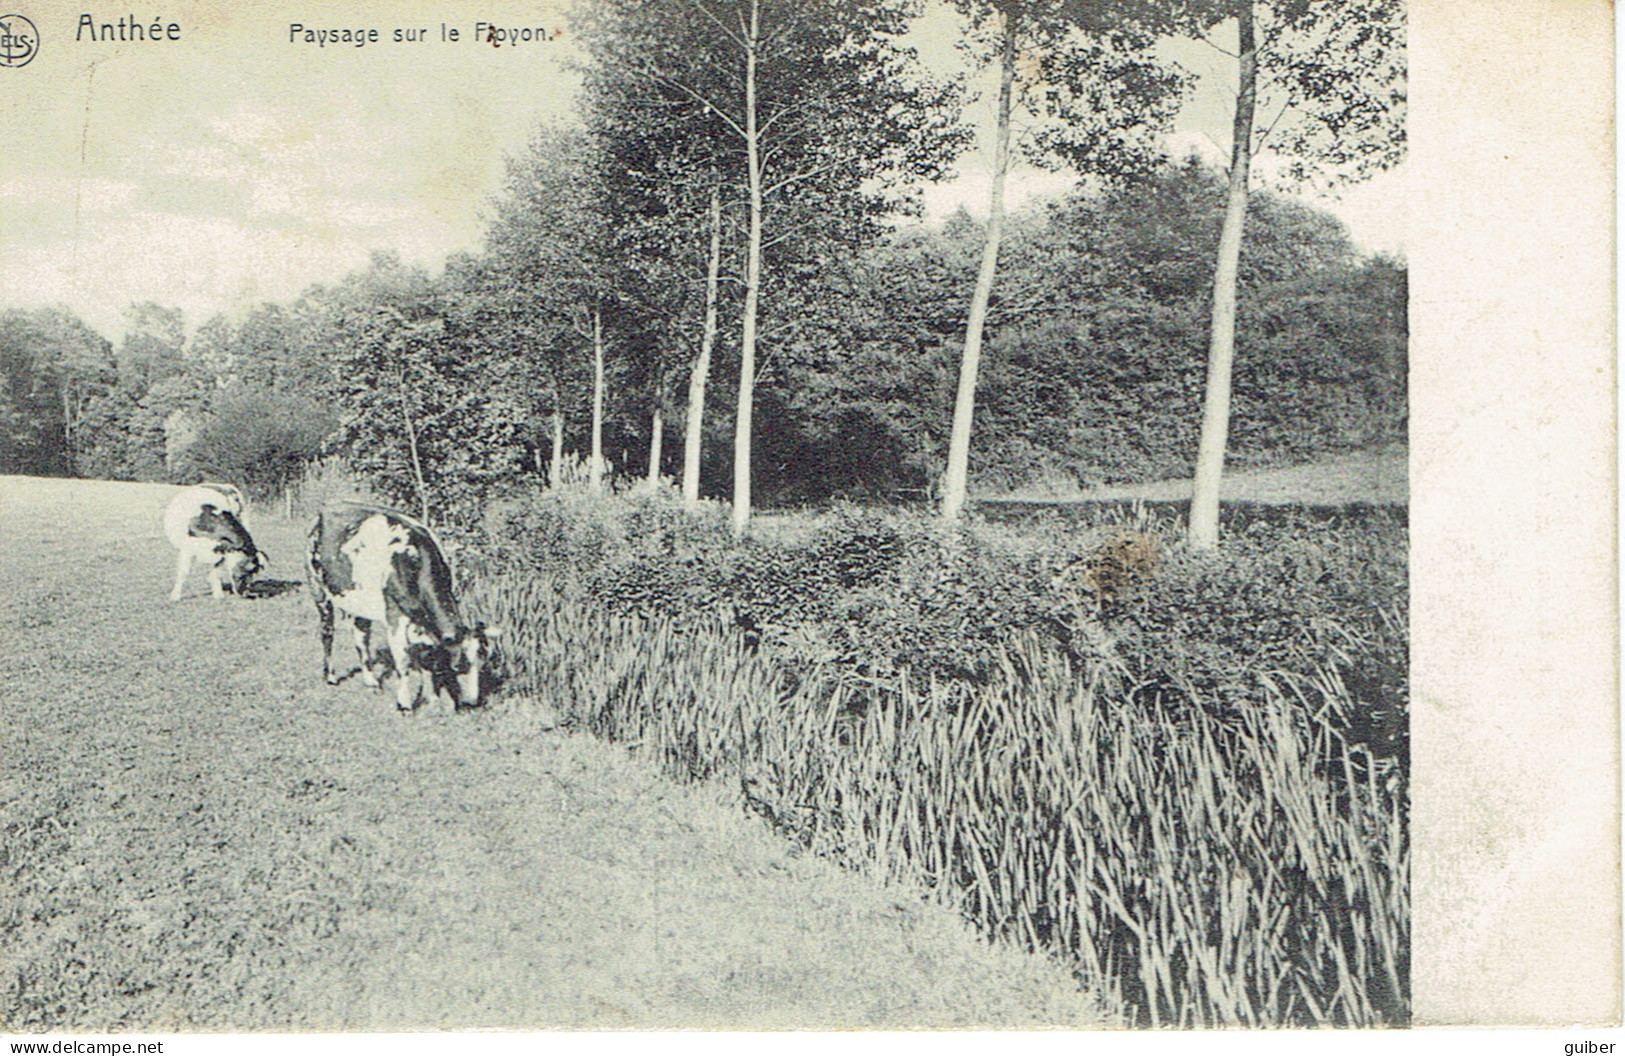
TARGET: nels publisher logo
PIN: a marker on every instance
(19, 40)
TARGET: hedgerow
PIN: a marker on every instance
(1164, 766)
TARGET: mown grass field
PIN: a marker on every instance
(197, 834)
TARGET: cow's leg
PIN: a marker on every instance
(215, 586)
(324, 617)
(183, 565)
(363, 647)
(408, 685)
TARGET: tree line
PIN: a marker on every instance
(728, 207)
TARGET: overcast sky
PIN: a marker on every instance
(235, 166)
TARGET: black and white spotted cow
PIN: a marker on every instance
(204, 523)
(384, 570)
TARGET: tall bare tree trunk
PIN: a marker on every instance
(1204, 526)
(955, 479)
(70, 453)
(597, 470)
(656, 430)
(753, 285)
(702, 362)
(556, 466)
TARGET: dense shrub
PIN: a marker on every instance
(872, 592)
(1294, 597)
(877, 594)
(260, 439)
(577, 530)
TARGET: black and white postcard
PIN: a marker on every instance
(834, 515)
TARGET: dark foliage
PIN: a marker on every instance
(1317, 598)
(48, 360)
(1097, 338)
(260, 439)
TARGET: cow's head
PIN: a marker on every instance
(465, 657)
(240, 566)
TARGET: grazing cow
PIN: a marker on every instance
(204, 523)
(382, 567)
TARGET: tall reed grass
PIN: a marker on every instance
(1199, 864)
(319, 482)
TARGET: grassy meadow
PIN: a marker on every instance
(197, 834)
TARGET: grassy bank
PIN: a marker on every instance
(1187, 777)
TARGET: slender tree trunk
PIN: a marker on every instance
(702, 362)
(74, 405)
(1204, 525)
(955, 478)
(753, 286)
(555, 478)
(597, 470)
(657, 429)
(71, 462)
